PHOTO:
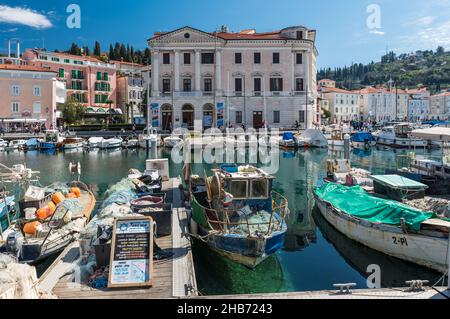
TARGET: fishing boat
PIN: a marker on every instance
(336, 139)
(385, 225)
(340, 171)
(111, 143)
(363, 140)
(399, 136)
(148, 137)
(288, 140)
(17, 145)
(53, 140)
(32, 144)
(94, 142)
(237, 213)
(314, 138)
(73, 143)
(49, 221)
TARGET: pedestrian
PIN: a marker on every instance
(297, 125)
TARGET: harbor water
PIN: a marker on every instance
(315, 256)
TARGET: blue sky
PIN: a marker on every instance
(343, 35)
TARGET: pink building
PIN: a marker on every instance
(91, 81)
(29, 95)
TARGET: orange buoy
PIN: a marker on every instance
(52, 207)
(72, 195)
(58, 198)
(43, 213)
(31, 228)
(76, 191)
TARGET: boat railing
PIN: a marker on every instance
(223, 221)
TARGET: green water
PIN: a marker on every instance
(314, 257)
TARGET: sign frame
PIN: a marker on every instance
(149, 282)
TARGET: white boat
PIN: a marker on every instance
(147, 138)
(269, 141)
(131, 143)
(3, 143)
(399, 136)
(17, 144)
(172, 141)
(73, 143)
(94, 142)
(111, 143)
(424, 242)
(313, 138)
(336, 139)
(288, 140)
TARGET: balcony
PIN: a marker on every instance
(257, 93)
(297, 93)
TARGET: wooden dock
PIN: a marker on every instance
(172, 278)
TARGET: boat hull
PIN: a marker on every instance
(429, 252)
(401, 143)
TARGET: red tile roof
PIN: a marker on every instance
(29, 68)
(326, 89)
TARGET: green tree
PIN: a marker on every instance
(72, 111)
(326, 113)
(97, 49)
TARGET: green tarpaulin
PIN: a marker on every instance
(356, 202)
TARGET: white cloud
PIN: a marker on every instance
(425, 21)
(429, 38)
(10, 30)
(24, 16)
(377, 32)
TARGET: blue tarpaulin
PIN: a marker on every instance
(288, 136)
(362, 137)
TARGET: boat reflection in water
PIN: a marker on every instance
(394, 272)
(220, 276)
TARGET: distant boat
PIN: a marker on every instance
(172, 141)
(111, 143)
(387, 226)
(399, 136)
(32, 144)
(94, 142)
(3, 143)
(73, 143)
(131, 143)
(288, 140)
(314, 138)
(147, 138)
(363, 140)
(17, 144)
(53, 140)
(237, 212)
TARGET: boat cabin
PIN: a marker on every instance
(53, 136)
(403, 130)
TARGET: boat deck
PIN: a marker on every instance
(172, 278)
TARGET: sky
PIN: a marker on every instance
(348, 31)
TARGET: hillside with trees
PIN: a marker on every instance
(118, 51)
(421, 68)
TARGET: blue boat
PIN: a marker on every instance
(363, 140)
(288, 140)
(9, 209)
(53, 140)
(32, 144)
(237, 213)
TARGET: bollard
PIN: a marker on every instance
(346, 146)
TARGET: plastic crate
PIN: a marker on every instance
(163, 219)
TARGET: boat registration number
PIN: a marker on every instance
(401, 241)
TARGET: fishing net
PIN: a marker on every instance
(58, 187)
(20, 276)
(258, 225)
(440, 206)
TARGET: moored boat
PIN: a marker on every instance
(172, 141)
(288, 140)
(73, 143)
(147, 138)
(387, 226)
(16, 145)
(130, 143)
(53, 140)
(94, 142)
(111, 143)
(237, 213)
(399, 136)
(314, 138)
(363, 140)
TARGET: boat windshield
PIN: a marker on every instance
(259, 188)
(238, 188)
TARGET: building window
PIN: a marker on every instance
(299, 58)
(207, 85)
(187, 85)
(238, 85)
(238, 117)
(36, 90)
(61, 73)
(257, 58)
(15, 107)
(276, 84)
(105, 76)
(302, 117)
(187, 58)
(99, 76)
(276, 58)
(15, 90)
(166, 85)
(208, 58)
(257, 84)
(166, 58)
(55, 59)
(299, 35)
(299, 85)
(37, 108)
(66, 60)
(276, 117)
(238, 58)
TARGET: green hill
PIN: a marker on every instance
(422, 68)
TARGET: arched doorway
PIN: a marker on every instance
(188, 116)
(167, 117)
(208, 116)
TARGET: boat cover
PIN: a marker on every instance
(288, 136)
(362, 137)
(398, 182)
(3, 219)
(358, 203)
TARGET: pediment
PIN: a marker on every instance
(186, 35)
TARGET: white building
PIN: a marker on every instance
(342, 104)
(383, 105)
(440, 106)
(418, 105)
(244, 78)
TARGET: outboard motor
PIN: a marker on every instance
(14, 244)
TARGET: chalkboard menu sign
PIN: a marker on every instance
(131, 263)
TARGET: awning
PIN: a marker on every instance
(23, 120)
(441, 134)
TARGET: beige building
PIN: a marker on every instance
(327, 83)
(29, 96)
(440, 106)
(244, 78)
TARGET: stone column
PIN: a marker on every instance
(198, 86)
(218, 71)
(177, 71)
(155, 72)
